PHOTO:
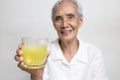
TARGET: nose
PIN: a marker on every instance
(64, 23)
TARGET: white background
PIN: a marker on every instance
(20, 18)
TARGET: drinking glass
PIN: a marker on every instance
(34, 52)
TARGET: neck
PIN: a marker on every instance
(69, 47)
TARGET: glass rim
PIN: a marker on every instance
(35, 38)
(32, 40)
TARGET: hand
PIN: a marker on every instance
(36, 74)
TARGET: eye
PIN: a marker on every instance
(70, 16)
(57, 18)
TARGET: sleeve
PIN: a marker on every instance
(98, 72)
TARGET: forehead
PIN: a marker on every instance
(66, 8)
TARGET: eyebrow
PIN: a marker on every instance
(57, 16)
(70, 14)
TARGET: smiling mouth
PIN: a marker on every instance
(66, 32)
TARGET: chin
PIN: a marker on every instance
(66, 38)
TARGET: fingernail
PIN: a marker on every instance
(21, 63)
(21, 58)
(20, 52)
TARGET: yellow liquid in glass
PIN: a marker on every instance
(34, 56)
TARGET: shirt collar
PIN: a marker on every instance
(81, 54)
(56, 51)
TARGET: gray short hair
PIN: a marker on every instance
(79, 7)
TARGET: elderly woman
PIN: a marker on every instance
(70, 58)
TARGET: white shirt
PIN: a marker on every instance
(87, 64)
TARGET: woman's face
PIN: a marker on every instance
(66, 21)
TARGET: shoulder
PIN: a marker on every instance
(89, 46)
(92, 50)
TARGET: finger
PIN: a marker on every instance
(20, 65)
(47, 57)
(18, 58)
(48, 54)
(20, 46)
(19, 52)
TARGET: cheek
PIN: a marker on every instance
(57, 25)
(75, 24)
(78, 24)
(76, 27)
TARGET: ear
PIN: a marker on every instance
(80, 21)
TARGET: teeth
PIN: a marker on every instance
(66, 31)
